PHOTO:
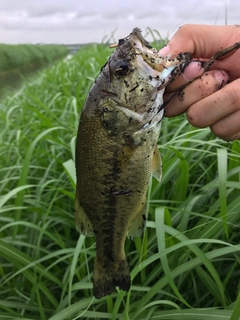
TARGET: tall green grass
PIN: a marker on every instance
(19, 56)
(23, 60)
(187, 264)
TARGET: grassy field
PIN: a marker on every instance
(20, 56)
(23, 60)
(187, 265)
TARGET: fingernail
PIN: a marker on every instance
(164, 51)
(193, 71)
(222, 77)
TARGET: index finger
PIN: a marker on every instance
(203, 41)
(191, 72)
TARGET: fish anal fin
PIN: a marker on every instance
(82, 222)
(156, 164)
(138, 223)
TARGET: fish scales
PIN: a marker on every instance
(116, 153)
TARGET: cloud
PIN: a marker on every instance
(48, 11)
(71, 21)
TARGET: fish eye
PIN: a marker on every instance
(121, 68)
(120, 42)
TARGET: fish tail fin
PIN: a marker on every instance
(106, 279)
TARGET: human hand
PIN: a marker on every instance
(208, 100)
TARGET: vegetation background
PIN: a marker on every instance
(187, 264)
(19, 60)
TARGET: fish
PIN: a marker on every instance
(117, 152)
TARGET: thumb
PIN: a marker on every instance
(203, 41)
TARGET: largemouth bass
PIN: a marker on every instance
(116, 152)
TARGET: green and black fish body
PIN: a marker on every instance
(116, 152)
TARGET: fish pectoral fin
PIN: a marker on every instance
(82, 222)
(131, 115)
(157, 164)
(116, 119)
(138, 223)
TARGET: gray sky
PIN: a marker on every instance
(81, 21)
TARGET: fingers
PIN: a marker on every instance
(204, 102)
(228, 128)
(191, 72)
(215, 108)
(220, 109)
(195, 92)
(203, 41)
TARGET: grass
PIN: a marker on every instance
(20, 56)
(23, 60)
(187, 264)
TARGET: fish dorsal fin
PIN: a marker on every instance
(83, 224)
(156, 164)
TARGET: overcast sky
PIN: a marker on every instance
(81, 21)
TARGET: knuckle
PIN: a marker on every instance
(205, 85)
(194, 117)
(236, 136)
(209, 84)
(185, 28)
(220, 130)
(233, 96)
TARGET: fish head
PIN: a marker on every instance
(138, 75)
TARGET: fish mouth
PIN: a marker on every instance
(135, 53)
(147, 58)
(151, 63)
